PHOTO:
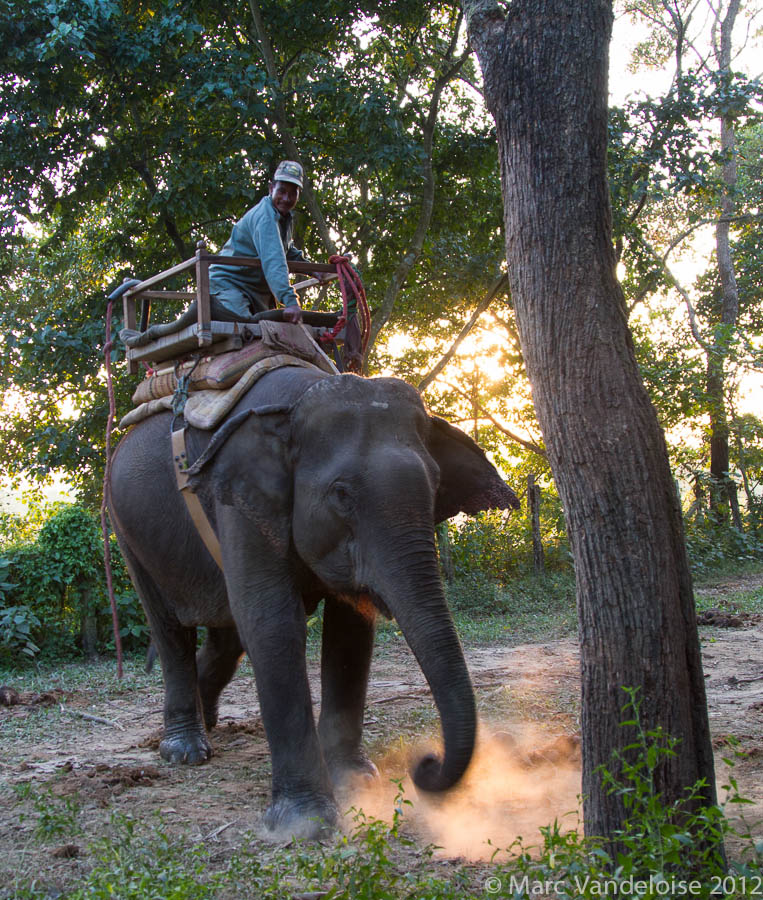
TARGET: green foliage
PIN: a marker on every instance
(133, 870)
(715, 548)
(685, 837)
(4, 585)
(59, 586)
(17, 624)
(498, 546)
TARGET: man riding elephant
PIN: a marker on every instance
(237, 293)
(265, 232)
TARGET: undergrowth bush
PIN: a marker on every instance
(718, 548)
(478, 595)
(498, 546)
(55, 586)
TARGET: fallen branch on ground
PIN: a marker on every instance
(99, 719)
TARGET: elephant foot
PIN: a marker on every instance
(351, 767)
(307, 819)
(188, 748)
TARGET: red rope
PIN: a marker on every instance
(350, 284)
(106, 476)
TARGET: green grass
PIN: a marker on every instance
(712, 594)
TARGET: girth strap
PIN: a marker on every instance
(200, 520)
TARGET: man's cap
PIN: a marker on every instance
(288, 170)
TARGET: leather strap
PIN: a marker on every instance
(199, 517)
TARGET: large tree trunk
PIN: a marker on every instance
(544, 64)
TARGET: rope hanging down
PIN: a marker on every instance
(354, 307)
(107, 347)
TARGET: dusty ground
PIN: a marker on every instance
(98, 744)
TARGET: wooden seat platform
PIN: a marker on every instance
(211, 336)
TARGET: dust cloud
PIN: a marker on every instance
(517, 782)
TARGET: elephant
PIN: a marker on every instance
(328, 488)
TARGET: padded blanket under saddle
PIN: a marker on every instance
(217, 382)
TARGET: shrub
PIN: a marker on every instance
(59, 580)
(499, 546)
(17, 624)
(713, 547)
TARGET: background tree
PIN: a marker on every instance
(128, 133)
(678, 169)
(544, 66)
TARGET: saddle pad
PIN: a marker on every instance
(222, 371)
(206, 409)
(214, 372)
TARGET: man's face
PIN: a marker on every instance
(284, 196)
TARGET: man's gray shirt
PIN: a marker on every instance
(262, 232)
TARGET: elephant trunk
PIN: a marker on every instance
(412, 590)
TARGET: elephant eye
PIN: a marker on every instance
(340, 495)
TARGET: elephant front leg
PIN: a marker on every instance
(271, 622)
(348, 639)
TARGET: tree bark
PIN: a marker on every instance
(443, 551)
(533, 504)
(544, 64)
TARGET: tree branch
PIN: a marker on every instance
(498, 286)
(279, 113)
(693, 324)
(411, 256)
(143, 170)
(170, 226)
(528, 445)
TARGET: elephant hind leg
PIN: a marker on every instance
(347, 647)
(185, 738)
(216, 663)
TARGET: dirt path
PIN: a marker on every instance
(100, 747)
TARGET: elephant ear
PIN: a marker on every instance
(469, 482)
(246, 465)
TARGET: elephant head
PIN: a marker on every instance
(347, 485)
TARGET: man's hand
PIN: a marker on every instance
(293, 314)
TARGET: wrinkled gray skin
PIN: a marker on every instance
(334, 497)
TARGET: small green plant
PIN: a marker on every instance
(54, 816)
(364, 864)
(685, 836)
(133, 866)
(662, 850)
